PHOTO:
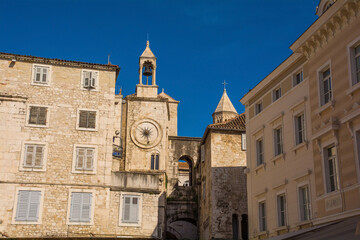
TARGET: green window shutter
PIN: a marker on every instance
(22, 205)
(75, 209)
(29, 154)
(38, 156)
(86, 207)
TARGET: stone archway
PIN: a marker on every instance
(181, 170)
(181, 224)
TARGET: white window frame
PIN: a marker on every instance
(294, 78)
(95, 86)
(357, 150)
(243, 141)
(28, 116)
(23, 155)
(278, 211)
(33, 75)
(326, 168)
(78, 120)
(122, 197)
(40, 210)
(262, 228)
(320, 71)
(296, 129)
(352, 65)
(274, 94)
(300, 205)
(258, 107)
(92, 209)
(257, 153)
(278, 141)
(95, 158)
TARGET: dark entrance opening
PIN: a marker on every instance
(244, 227)
(235, 226)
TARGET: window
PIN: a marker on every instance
(243, 141)
(90, 79)
(262, 217)
(28, 204)
(37, 115)
(331, 171)
(130, 209)
(204, 190)
(357, 134)
(304, 203)
(355, 63)
(258, 108)
(281, 208)
(33, 157)
(41, 75)
(80, 209)
(299, 129)
(202, 153)
(325, 86)
(87, 119)
(278, 143)
(259, 152)
(84, 158)
(154, 161)
(276, 94)
(298, 78)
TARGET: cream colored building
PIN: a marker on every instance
(222, 190)
(58, 175)
(302, 132)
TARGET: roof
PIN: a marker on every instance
(183, 165)
(164, 95)
(225, 104)
(59, 62)
(147, 52)
(236, 123)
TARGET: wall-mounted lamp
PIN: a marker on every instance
(13, 60)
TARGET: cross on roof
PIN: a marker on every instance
(224, 83)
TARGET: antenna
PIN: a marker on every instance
(147, 36)
(109, 58)
(224, 83)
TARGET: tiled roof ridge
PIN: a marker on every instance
(55, 61)
(236, 123)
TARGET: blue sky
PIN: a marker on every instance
(198, 43)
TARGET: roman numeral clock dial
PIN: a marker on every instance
(146, 133)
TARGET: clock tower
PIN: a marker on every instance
(148, 119)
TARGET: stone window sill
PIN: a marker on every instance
(300, 225)
(263, 234)
(352, 89)
(324, 107)
(300, 146)
(260, 167)
(278, 157)
(282, 228)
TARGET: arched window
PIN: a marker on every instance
(154, 161)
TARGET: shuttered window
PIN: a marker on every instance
(33, 155)
(28, 206)
(87, 119)
(41, 74)
(37, 115)
(130, 211)
(90, 79)
(84, 158)
(80, 209)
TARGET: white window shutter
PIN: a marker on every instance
(86, 76)
(134, 209)
(75, 209)
(37, 74)
(86, 207)
(94, 77)
(89, 159)
(38, 156)
(22, 205)
(126, 209)
(29, 154)
(44, 74)
(34, 204)
(80, 155)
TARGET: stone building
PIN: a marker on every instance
(222, 191)
(303, 134)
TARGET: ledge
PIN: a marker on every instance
(278, 157)
(261, 166)
(299, 146)
(324, 107)
(352, 89)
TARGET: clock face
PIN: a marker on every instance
(146, 133)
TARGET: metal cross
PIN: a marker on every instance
(224, 83)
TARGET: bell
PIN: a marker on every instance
(147, 72)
